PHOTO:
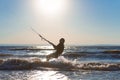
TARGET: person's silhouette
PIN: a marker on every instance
(59, 49)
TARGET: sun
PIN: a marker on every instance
(50, 7)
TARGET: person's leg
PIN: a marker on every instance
(47, 57)
(50, 56)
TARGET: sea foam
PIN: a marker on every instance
(55, 64)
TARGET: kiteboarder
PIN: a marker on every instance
(59, 48)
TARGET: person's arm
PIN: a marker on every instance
(54, 46)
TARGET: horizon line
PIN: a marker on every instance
(8, 44)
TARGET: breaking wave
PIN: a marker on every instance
(55, 64)
(5, 55)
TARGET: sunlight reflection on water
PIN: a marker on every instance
(44, 47)
(48, 75)
(46, 50)
(43, 52)
(59, 75)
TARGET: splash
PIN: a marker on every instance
(55, 64)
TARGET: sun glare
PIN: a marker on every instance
(50, 7)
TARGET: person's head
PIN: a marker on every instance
(62, 40)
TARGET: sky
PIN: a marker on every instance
(78, 21)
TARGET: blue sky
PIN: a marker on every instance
(85, 22)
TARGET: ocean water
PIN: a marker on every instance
(76, 63)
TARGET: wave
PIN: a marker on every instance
(1, 61)
(112, 51)
(92, 55)
(76, 54)
(28, 49)
(5, 55)
(67, 55)
(55, 64)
